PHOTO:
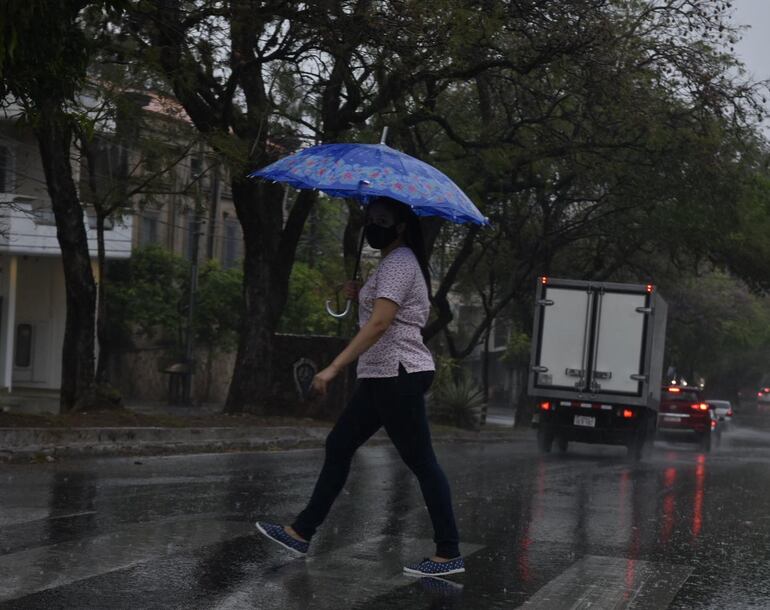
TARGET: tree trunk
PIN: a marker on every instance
(54, 137)
(267, 263)
(485, 367)
(253, 362)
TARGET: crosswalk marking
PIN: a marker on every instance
(611, 583)
(340, 578)
(336, 578)
(56, 565)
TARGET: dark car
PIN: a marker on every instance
(723, 409)
(763, 400)
(684, 414)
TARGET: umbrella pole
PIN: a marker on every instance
(349, 303)
(358, 256)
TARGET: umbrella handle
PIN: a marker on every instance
(340, 315)
(346, 311)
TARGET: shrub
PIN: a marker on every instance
(455, 400)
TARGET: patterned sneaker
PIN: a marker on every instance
(428, 567)
(276, 533)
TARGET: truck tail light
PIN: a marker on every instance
(675, 390)
(627, 413)
(700, 406)
(544, 280)
(650, 288)
(545, 406)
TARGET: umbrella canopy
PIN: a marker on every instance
(365, 171)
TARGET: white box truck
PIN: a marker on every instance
(596, 363)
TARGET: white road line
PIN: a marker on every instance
(56, 565)
(611, 583)
(342, 578)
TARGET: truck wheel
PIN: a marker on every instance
(544, 438)
(636, 447)
(649, 444)
(640, 445)
(563, 443)
(705, 442)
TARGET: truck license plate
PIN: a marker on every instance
(584, 420)
(671, 420)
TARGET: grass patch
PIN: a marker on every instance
(125, 418)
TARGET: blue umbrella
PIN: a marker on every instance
(366, 171)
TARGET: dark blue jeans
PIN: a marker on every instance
(396, 403)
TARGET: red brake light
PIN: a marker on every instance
(729, 412)
(628, 413)
(713, 424)
(767, 390)
(675, 390)
(759, 393)
(650, 287)
(545, 406)
(544, 280)
(700, 406)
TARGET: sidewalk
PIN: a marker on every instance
(41, 444)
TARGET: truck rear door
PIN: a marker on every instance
(564, 331)
(617, 358)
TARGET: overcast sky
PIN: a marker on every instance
(754, 49)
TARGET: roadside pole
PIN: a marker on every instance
(187, 389)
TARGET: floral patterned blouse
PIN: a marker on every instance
(397, 278)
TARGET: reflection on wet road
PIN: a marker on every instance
(587, 529)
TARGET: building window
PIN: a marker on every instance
(5, 169)
(232, 241)
(4, 154)
(192, 228)
(148, 229)
(196, 167)
(500, 332)
(23, 357)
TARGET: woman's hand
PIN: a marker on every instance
(350, 289)
(322, 379)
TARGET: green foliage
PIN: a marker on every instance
(455, 399)
(147, 292)
(517, 351)
(149, 296)
(717, 330)
(318, 274)
(219, 304)
(305, 313)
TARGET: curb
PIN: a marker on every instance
(50, 444)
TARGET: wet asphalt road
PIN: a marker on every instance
(585, 530)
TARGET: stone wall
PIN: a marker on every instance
(139, 376)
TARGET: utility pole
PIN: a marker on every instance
(213, 210)
(189, 363)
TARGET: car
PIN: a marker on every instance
(763, 400)
(685, 415)
(723, 409)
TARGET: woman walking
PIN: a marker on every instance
(394, 371)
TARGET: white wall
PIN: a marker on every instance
(29, 230)
(26, 217)
(41, 303)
